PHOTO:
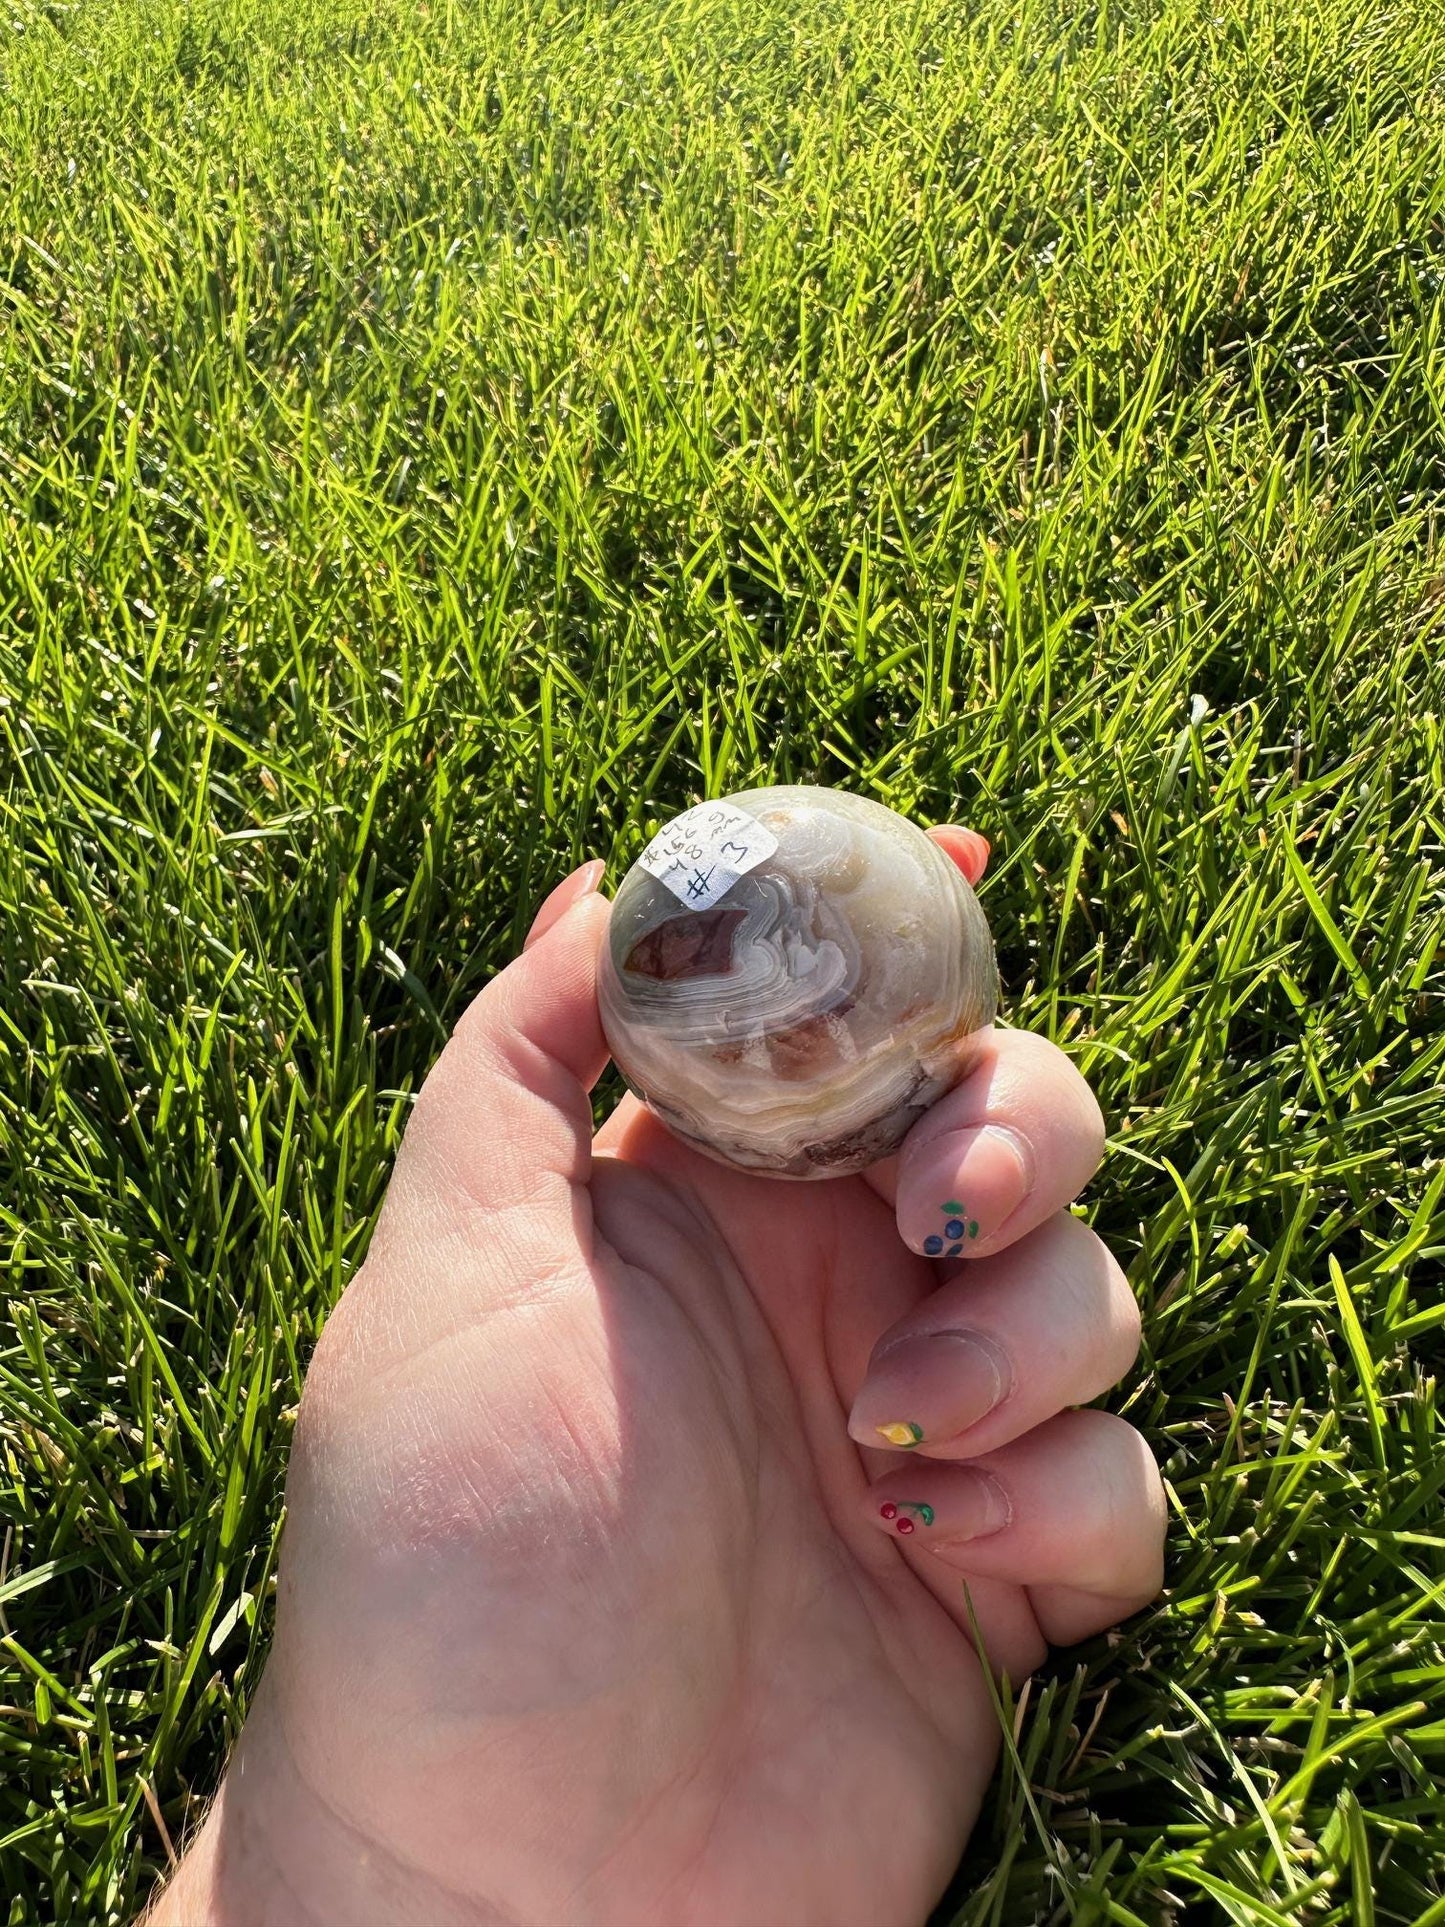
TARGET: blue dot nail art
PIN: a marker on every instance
(957, 1227)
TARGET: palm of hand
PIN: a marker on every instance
(641, 1575)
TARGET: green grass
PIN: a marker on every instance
(439, 440)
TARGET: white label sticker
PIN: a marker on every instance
(701, 854)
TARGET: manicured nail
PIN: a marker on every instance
(964, 1187)
(968, 849)
(949, 1380)
(901, 1432)
(582, 882)
(906, 1515)
(966, 1504)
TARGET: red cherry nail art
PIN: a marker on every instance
(919, 1513)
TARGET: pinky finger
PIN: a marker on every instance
(1073, 1511)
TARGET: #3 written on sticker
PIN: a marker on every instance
(701, 854)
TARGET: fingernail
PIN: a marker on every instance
(965, 847)
(906, 1515)
(903, 1433)
(582, 882)
(964, 1187)
(945, 1381)
(966, 1504)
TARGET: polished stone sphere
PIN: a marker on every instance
(792, 977)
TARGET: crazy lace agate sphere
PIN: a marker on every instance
(793, 977)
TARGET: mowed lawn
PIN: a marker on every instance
(439, 440)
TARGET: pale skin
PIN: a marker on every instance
(605, 1602)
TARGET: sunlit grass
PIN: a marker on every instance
(438, 441)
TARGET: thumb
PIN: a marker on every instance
(504, 1118)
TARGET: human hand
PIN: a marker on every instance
(606, 1600)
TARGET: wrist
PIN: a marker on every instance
(273, 1853)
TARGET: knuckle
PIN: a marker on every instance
(1124, 1324)
(1120, 1545)
(1091, 1119)
(1104, 1309)
(1038, 1056)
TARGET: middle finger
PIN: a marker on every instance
(1002, 1345)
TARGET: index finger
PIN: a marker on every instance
(1011, 1145)
(1014, 1143)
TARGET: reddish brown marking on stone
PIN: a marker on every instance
(807, 1049)
(695, 945)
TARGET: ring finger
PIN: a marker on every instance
(1074, 1512)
